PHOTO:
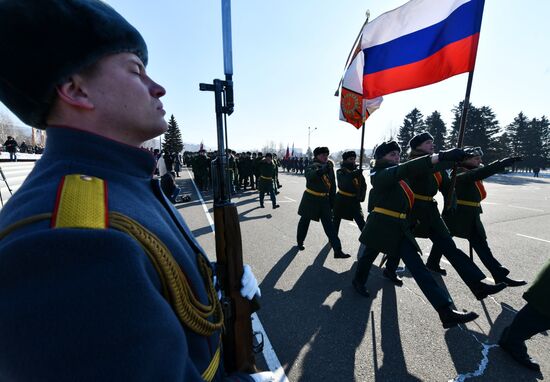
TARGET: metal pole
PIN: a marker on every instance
(361, 152)
(461, 131)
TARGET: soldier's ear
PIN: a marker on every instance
(73, 92)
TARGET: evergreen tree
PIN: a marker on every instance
(436, 127)
(517, 131)
(412, 124)
(534, 147)
(172, 138)
(481, 130)
(545, 137)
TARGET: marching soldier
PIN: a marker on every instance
(112, 285)
(276, 182)
(352, 189)
(429, 224)
(267, 171)
(464, 221)
(388, 226)
(247, 178)
(532, 319)
(201, 168)
(318, 199)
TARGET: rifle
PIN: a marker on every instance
(237, 337)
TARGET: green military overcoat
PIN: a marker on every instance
(538, 294)
(267, 172)
(352, 188)
(314, 206)
(391, 191)
(425, 214)
(465, 220)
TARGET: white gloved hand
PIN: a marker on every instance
(249, 284)
(264, 376)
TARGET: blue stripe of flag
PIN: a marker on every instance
(463, 22)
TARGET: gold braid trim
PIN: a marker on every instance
(190, 311)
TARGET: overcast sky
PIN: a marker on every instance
(288, 57)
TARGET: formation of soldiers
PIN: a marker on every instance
(246, 170)
(295, 164)
(401, 207)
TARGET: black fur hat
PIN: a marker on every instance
(349, 154)
(320, 150)
(418, 139)
(386, 147)
(46, 41)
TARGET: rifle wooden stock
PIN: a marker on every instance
(237, 335)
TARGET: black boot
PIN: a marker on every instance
(450, 317)
(392, 276)
(481, 290)
(276, 206)
(517, 351)
(436, 268)
(510, 282)
(301, 246)
(360, 288)
(338, 254)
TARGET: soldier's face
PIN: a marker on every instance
(126, 99)
(392, 157)
(351, 160)
(426, 147)
(473, 162)
(323, 158)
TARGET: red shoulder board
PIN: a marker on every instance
(481, 189)
(438, 178)
(408, 192)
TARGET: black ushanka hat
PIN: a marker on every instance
(320, 150)
(46, 41)
(386, 147)
(418, 139)
(349, 154)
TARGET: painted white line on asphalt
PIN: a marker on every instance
(292, 200)
(210, 221)
(486, 278)
(526, 208)
(492, 204)
(268, 351)
(534, 238)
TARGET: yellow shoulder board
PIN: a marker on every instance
(81, 203)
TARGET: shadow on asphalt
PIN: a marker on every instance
(501, 366)
(337, 319)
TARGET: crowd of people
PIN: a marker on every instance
(12, 147)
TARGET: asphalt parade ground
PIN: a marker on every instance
(318, 329)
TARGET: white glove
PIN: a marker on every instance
(249, 284)
(264, 376)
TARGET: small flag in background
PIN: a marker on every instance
(417, 44)
(287, 155)
(201, 147)
(292, 154)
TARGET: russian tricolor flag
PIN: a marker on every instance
(417, 44)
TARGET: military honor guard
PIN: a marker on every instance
(318, 200)
(352, 189)
(267, 171)
(464, 219)
(388, 226)
(429, 223)
(111, 284)
(532, 319)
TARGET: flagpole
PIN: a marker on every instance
(461, 131)
(361, 152)
(337, 93)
